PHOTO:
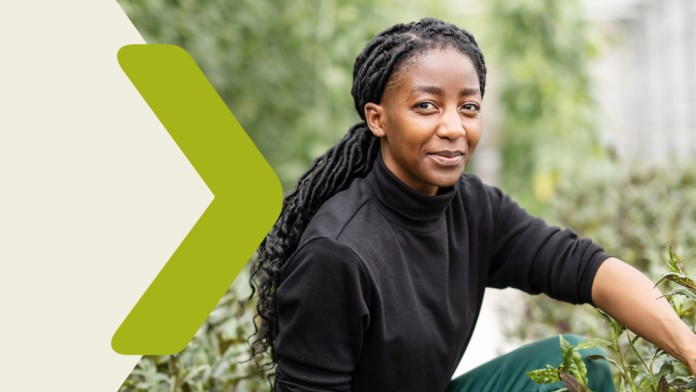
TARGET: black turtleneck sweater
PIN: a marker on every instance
(385, 287)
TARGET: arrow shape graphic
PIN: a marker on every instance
(247, 201)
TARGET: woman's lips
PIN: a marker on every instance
(447, 158)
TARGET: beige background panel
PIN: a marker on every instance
(94, 194)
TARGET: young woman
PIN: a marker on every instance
(372, 278)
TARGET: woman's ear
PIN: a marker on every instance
(374, 118)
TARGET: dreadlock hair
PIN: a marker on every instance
(352, 157)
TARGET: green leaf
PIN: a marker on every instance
(675, 264)
(566, 347)
(572, 361)
(594, 342)
(578, 368)
(665, 369)
(691, 384)
(602, 357)
(679, 279)
(544, 376)
(681, 291)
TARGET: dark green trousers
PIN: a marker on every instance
(508, 372)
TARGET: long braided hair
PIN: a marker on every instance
(385, 55)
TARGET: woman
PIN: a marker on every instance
(373, 276)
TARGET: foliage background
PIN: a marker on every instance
(285, 72)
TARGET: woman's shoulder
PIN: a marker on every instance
(343, 227)
(321, 257)
(473, 189)
(335, 214)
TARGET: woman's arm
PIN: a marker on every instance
(322, 314)
(631, 298)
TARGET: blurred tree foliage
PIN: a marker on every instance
(548, 130)
(284, 69)
(541, 51)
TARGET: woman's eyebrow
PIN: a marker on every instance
(428, 89)
(469, 91)
(465, 92)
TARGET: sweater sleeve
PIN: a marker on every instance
(322, 314)
(537, 258)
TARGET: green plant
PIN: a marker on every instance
(572, 370)
(639, 365)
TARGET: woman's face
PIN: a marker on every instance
(428, 119)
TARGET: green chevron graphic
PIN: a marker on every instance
(247, 201)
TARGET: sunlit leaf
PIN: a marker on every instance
(566, 348)
(593, 342)
(544, 376)
(578, 368)
(572, 361)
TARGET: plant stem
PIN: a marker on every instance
(652, 360)
(645, 365)
(622, 361)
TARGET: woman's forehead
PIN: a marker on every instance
(436, 67)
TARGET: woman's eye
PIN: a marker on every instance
(470, 107)
(424, 105)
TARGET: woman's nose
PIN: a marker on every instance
(451, 125)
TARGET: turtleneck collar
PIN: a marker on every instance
(403, 205)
